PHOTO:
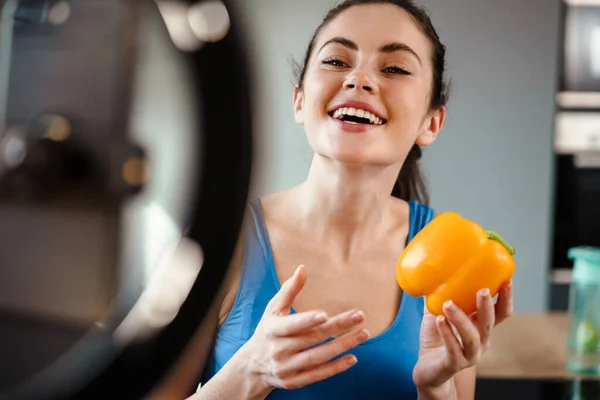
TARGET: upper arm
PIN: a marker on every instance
(182, 378)
(464, 382)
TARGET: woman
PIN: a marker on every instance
(371, 92)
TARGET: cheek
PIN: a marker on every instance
(321, 87)
(408, 95)
(408, 105)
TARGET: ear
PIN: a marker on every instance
(431, 126)
(298, 105)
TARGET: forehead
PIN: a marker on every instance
(373, 25)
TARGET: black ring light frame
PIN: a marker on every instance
(219, 206)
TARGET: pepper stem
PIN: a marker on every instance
(495, 236)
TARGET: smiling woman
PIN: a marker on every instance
(339, 326)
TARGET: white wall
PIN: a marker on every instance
(493, 160)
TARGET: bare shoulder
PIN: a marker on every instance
(276, 205)
(402, 207)
(399, 209)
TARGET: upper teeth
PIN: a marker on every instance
(340, 112)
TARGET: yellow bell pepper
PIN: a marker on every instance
(452, 258)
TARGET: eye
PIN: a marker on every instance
(396, 70)
(334, 62)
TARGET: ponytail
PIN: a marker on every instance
(410, 184)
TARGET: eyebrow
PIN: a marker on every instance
(388, 48)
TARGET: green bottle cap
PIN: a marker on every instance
(586, 268)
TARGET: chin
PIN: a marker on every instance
(351, 151)
(350, 157)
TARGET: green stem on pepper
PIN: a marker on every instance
(495, 236)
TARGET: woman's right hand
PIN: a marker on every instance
(286, 350)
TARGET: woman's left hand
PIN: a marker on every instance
(443, 353)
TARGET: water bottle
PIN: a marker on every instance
(583, 352)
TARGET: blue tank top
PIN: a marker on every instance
(385, 362)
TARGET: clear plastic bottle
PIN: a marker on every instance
(583, 353)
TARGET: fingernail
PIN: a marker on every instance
(441, 319)
(357, 317)
(351, 360)
(321, 317)
(484, 293)
(362, 335)
(449, 305)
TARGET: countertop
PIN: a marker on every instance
(528, 346)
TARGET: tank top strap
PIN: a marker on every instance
(420, 215)
(257, 284)
(255, 230)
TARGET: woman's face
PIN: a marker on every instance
(367, 88)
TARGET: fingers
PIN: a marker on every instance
(453, 348)
(464, 337)
(299, 353)
(341, 323)
(469, 335)
(297, 323)
(311, 358)
(334, 327)
(504, 305)
(284, 299)
(319, 373)
(485, 316)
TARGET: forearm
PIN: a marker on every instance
(234, 381)
(447, 391)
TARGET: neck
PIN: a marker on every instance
(346, 206)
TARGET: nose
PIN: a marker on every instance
(362, 81)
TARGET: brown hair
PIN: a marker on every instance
(410, 184)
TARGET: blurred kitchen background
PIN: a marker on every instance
(496, 161)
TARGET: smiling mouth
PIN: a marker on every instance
(356, 116)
